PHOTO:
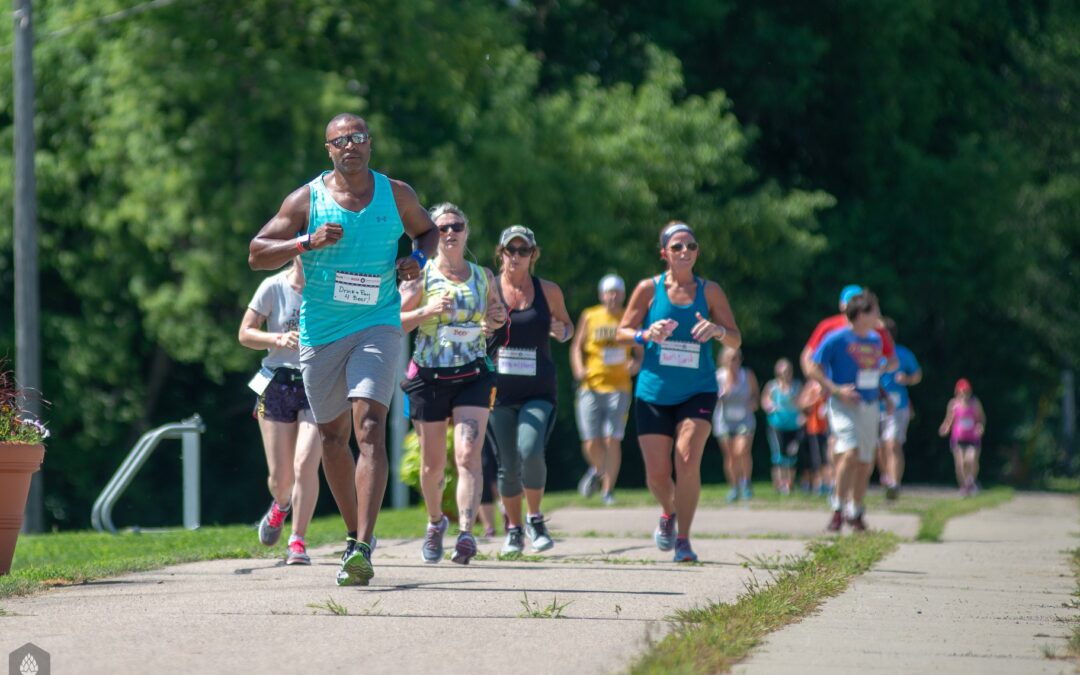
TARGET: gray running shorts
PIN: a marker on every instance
(601, 415)
(361, 365)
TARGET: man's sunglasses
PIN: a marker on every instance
(359, 138)
(456, 227)
(689, 246)
(523, 251)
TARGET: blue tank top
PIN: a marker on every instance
(786, 415)
(351, 285)
(680, 367)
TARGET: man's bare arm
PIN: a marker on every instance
(275, 244)
(414, 217)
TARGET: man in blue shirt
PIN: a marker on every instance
(894, 425)
(848, 364)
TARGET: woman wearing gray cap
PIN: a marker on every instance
(603, 369)
(676, 316)
(524, 410)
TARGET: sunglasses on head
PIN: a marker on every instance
(358, 138)
(456, 227)
(679, 246)
(523, 251)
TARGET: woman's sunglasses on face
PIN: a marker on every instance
(523, 251)
(359, 138)
(456, 227)
(679, 246)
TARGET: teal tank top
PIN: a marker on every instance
(351, 285)
(680, 367)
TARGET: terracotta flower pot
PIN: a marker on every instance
(18, 462)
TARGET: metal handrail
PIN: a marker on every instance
(187, 431)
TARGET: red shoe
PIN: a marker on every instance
(836, 523)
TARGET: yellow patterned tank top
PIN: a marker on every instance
(454, 338)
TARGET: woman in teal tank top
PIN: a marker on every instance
(676, 316)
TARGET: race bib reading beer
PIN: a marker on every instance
(356, 289)
(462, 334)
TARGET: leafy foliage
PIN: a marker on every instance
(936, 162)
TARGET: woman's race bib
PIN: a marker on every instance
(459, 334)
(680, 354)
(967, 424)
(515, 361)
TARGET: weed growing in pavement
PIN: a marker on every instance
(520, 557)
(331, 606)
(534, 610)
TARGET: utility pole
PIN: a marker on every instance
(27, 296)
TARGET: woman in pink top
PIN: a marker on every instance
(964, 423)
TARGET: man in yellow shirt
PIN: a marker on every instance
(603, 370)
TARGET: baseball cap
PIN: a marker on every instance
(849, 292)
(515, 231)
(612, 282)
(963, 385)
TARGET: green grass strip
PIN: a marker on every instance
(937, 513)
(713, 638)
(1073, 646)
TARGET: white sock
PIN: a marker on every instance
(834, 501)
(535, 515)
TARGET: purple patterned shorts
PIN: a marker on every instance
(283, 399)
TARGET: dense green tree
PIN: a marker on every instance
(167, 138)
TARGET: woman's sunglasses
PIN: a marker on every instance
(689, 246)
(456, 227)
(523, 251)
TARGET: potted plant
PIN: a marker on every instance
(21, 452)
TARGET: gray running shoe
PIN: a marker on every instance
(356, 569)
(298, 554)
(432, 549)
(465, 549)
(608, 499)
(515, 542)
(536, 529)
(586, 487)
(665, 533)
(271, 524)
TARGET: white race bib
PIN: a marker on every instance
(895, 399)
(515, 361)
(680, 354)
(460, 334)
(261, 381)
(356, 289)
(867, 379)
(614, 356)
(967, 424)
(734, 412)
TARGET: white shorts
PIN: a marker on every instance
(894, 426)
(601, 415)
(361, 365)
(855, 427)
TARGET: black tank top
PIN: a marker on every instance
(526, 331)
